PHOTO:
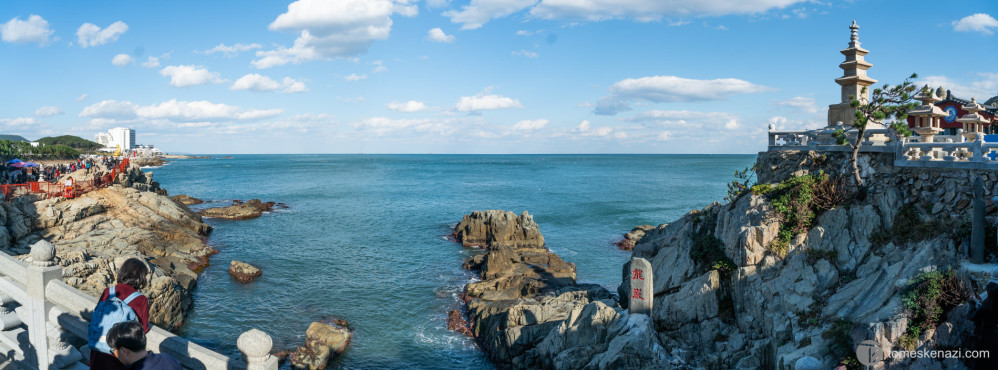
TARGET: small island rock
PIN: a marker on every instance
(243, 271)
(631, 238)
(498, 228)
(322, 342)
(252, 208)
(186, 199)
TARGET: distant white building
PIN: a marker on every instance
(114, 138)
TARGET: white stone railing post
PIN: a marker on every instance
(978, 146)
(40, 272)
(255, 346)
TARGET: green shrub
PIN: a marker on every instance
(813, 255)
(839, 336)
(761, 189)
(927, 298)
(797, 201)
(708, 251)
(740, 185)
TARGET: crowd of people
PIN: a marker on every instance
(95, 167)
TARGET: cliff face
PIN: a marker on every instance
(845, 274)
(94, 233)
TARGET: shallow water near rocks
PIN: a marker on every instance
(363, 238)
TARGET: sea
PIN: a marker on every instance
(364, 238)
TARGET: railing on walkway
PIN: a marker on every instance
(946, 151)
(70, 189)
(46, 312)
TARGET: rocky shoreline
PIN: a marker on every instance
(733, 289)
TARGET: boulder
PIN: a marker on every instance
(498, 228)
(631, 238)
(322, 342)
(186, 199)
(457, 323)
(239, 211)
(243, 271)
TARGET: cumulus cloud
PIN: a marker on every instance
(525, 53)
(479, 12)
(585, 129)
(82, 97)
(354, 77)
(48, 111)
(152, 62)
(438, 35)
(806, 105)
(189, 75)
(785, 124)
(382, 126)
(379, 67)
(174, 111)
(982, 87)
(530, 125)
(332, 29)
(20, 123)
(485, 102)
(980, 22)
(90, 34)
(122, 60)
(661, 89)
(407, 107)
(230, 51)
(713, 121)
(256, 82)
(35, 29)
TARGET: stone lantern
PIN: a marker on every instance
(973, 123)
(928, 117)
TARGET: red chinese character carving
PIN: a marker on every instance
(637, 294)
(636, 275)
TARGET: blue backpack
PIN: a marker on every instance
(107, 313)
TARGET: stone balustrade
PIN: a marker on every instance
(41, 318)
(946, 151)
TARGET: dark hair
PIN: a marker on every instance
(127, 334)
(133, 272)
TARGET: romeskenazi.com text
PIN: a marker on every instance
(956, 353)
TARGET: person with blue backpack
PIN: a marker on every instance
(119, 303)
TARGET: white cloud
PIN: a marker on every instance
(660, 89)
(174, 111)
(152, 62)
(189, 75)
(524, 33)
(525, 53)
(530, 125)
(585, 129)
(979, 22)
(643, 10)
(35, 29)
(663, 136)
(486, 102)
(983, 87)
(354, 77)
(230, 51)
(783, 124)
(82, 97)
(438, 35)
(711, 121)
(382, 126)
(479, 12)
(48, 111)
(122, 60)
(379, 67)
(19, 123)
(806, 105)
(256, 82)
(90, 34)
(407, 107)
(332, 29)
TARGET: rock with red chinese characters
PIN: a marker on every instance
(498, 228)
(243, 271)
(642, 287)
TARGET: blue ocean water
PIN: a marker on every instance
(363, 237)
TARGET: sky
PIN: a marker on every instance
(457, 76)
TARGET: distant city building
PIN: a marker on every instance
(124, 138)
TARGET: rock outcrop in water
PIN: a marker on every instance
(323, 341)
(252, 208)
(528, 311)
(186, 199)
(95, 232)
(633, 236)
(243, 271)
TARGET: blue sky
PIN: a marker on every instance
(479, 76)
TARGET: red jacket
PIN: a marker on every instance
(140, 304)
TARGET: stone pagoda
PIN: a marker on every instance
(928, 117)
(973, 123)
(853, 80)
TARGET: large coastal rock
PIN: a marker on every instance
(528, 311)
(186, 199)
(240, 211)
(631, 238)
(95, 232)
(323, 341)
(775, 310)
(243, 271)
(498, 228)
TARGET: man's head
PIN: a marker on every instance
(127, 341)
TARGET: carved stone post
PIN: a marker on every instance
(977, 232)
(255, 346)
(642, 288)
(40, 272)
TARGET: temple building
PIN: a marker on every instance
(955, 108)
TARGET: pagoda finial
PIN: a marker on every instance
(855, 32)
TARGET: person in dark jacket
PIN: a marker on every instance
(131, 278)
(128, 341)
